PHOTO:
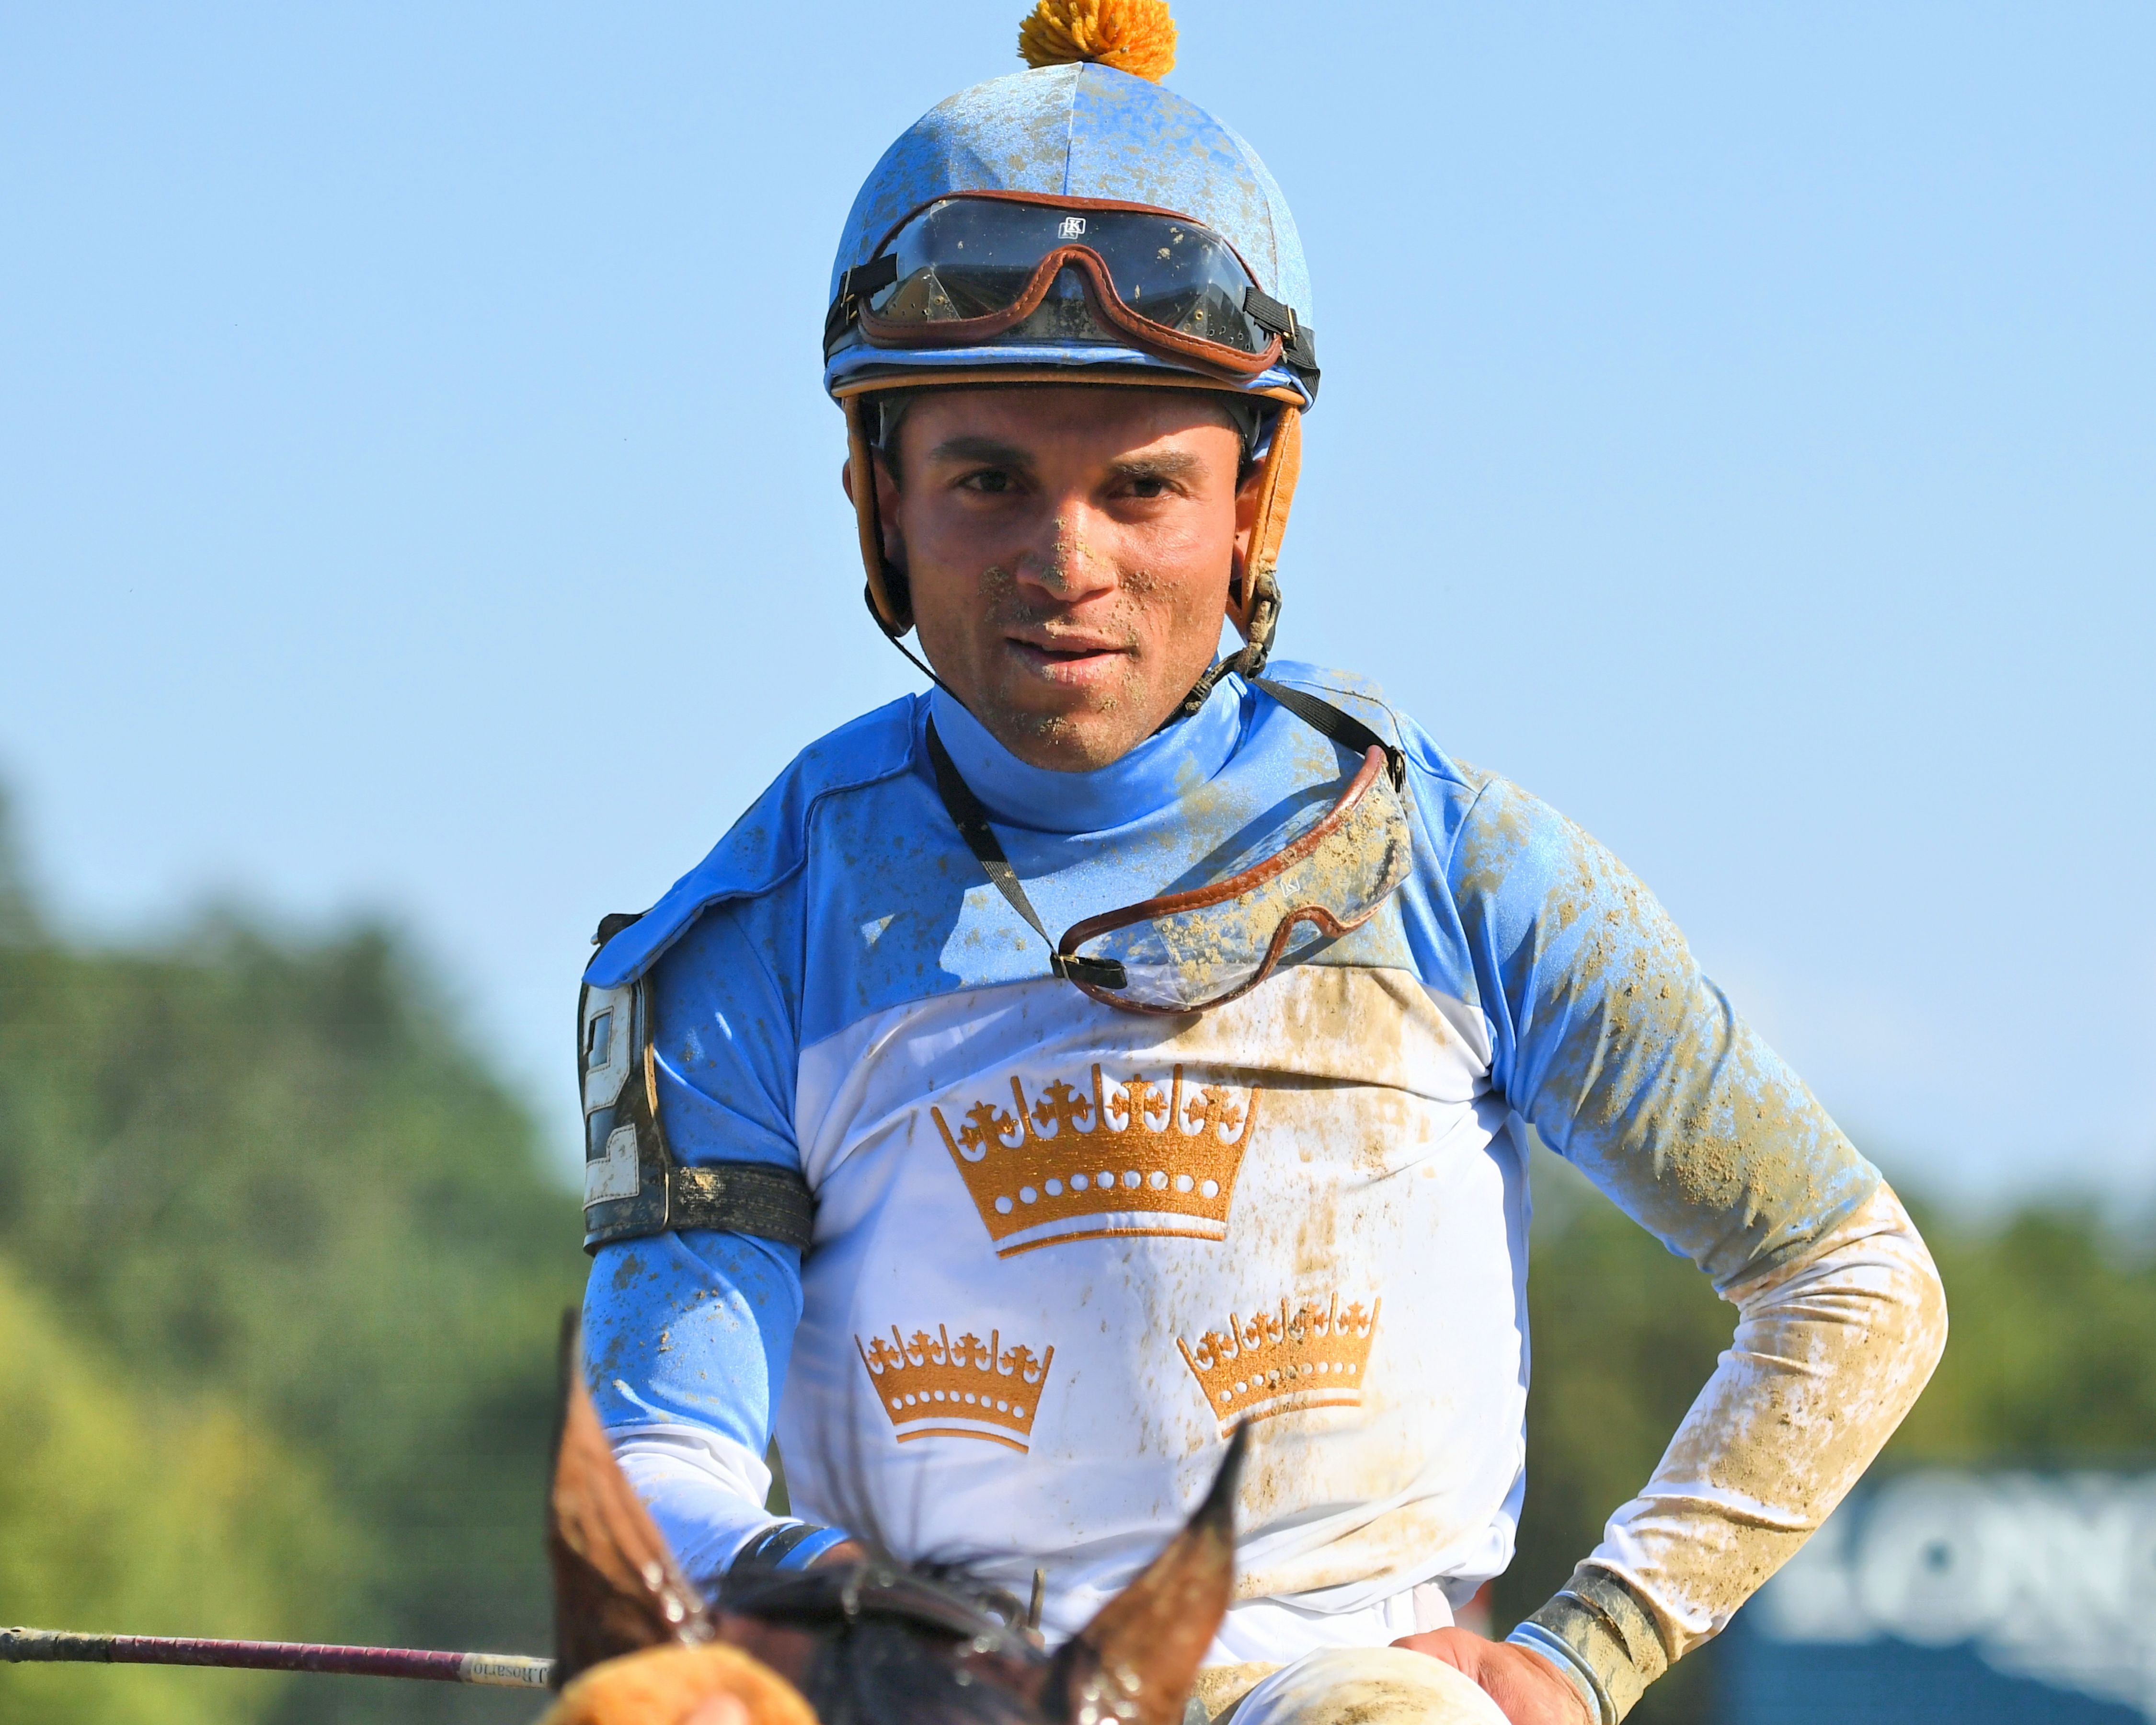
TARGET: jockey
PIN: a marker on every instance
(1122, 1042)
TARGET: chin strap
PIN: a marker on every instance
(1253, 596)
(1257, 624)
(912, 657)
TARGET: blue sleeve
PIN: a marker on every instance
(1629, 1061)
(697, 1327)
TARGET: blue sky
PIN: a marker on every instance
(1739, 426)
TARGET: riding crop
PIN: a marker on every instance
(499, 1671)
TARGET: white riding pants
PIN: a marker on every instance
(1365, 1686)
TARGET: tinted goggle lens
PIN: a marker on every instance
(967, 258)
(1193, 950)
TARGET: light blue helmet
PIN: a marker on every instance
(1089, 133)
(1079, 132)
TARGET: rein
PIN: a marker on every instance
(845, 1594)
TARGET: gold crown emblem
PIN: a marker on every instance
(1282, 1362)
(934, 1387)
(1132, 1158)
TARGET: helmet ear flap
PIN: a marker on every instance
(888, 599)
(1253, 595)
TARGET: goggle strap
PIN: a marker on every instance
(1344, 729)
(864, 279)
(861, 280)
(856, 285)
(1298, 340)
(972, 821)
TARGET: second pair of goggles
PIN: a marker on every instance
(1196, 949)
(999, 268)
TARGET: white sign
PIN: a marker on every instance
(2052, 1578)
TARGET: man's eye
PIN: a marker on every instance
(993, 481)
(1148, 487)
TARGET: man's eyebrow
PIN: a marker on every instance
(1168, 465)
(973, 448)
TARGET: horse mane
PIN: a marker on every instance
(905, 1645)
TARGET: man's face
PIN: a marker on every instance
(1068, 550)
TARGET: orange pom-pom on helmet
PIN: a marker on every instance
(1133, 36)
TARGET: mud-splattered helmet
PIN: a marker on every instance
(1076, 223)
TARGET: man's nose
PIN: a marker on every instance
(1069, 562)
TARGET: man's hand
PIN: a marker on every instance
(1528, 1689)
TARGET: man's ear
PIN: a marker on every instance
(1143, 1650)
(616, 1587)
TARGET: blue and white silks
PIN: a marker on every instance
(1308, 1207)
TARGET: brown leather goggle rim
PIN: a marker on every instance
(1374, 764)
(1320, 918)
(1100, 291)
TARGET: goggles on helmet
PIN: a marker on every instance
(1189, 951)
(984, 269)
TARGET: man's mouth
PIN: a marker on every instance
(1060, 660)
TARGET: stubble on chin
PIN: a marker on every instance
(1087, 736)
(1109, 720)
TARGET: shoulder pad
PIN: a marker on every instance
(766, 846)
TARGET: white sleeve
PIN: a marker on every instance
(705, 1492)
(1830, 1354)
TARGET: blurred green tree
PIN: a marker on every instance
(272, 1171)
(2052, 1360)
(161, 1515)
